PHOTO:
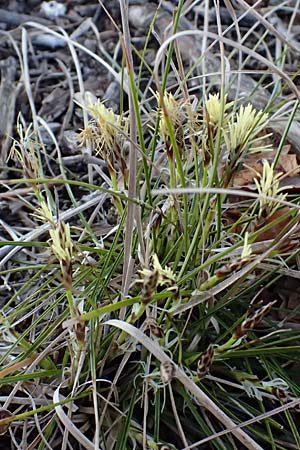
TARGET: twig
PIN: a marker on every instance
(14, 18)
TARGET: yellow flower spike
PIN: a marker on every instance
(62, 247)
(164, 276)
(44, 213)
(173, 109)
(268, 185)
(103, 129)
(248, 122)
(87, 134)
(24, 150)
(61, 241)
(107, 122)
(214, 108)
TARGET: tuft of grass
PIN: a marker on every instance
(143, 309)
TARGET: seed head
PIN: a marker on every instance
(167, 371)
(205, 362)
(237, 264)
(80, 331)
(149, 286)
(281, 394)
(253, 320)
(155, 329)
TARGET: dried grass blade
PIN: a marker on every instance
(203, 399)
(84, 441)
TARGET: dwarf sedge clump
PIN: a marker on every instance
(144, 270)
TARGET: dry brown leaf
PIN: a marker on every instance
(274, 231)
(246, 176)
(288, 164)
(253, 165)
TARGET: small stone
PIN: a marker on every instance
(53, 9)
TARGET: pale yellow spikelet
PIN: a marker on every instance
(245, 126)
(61, 241)
(24, 149)
(44, 213)
(214, 108)
(62, 248)
(85, 135)
(171, 110)
(268, 185)
(104, 128)
(165, 276)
